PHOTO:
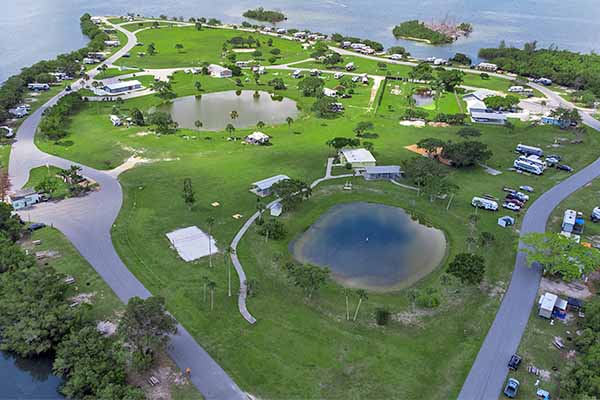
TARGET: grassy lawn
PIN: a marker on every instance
(204, 46)
(37, 175)
(4, 155)
(394, 100)
(132, 27)
(308, 344)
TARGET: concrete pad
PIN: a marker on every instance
(191, 243)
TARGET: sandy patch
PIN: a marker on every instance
(244, 50)
(144, 133)
(573, 289)
(438, 124)
(415, 318)
(83, 298)
(127, 165)
(166, 373)
(416, 124)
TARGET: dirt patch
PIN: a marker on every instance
(496, 290)
(575, 289)
(545, 375)
(83, 298)
(167, 374)
(106, 328)
(416, 124)
(144, 133)
(414, 318)
(438, 124)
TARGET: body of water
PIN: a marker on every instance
(27, 379)
(213, 110)
(371, 246)
(41, 29)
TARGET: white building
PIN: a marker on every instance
(218, 71)
(23, 198)
(38, 86)
(330, 92)
(122, 87)
(112, 43)
(547, 303)
(487, 67)
(257, 138)
(357, 158)
(263, 188)
(475, 100)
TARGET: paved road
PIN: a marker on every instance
(87, 222)
(488, 373)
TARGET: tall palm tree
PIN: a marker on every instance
(227, 260)
(260, 207)
(212, 286)
(205, 281)
(260, 124)
(198, 124)
(347, 306)
(210, 222)
(230, 128)
(362, 295)
(234, 115)
(289, 121)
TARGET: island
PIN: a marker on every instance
(260, 14)
(434, 33)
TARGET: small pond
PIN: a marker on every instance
(214, 110)
(27, 379)
(371, 246)
(422, 100)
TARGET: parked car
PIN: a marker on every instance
(522, 196)
(554, 156)
(564, 167)
(512, 388)
(515, 361)
(35, 226)
(514, 201)
(551, 161)
(511, 206)
(527, 188)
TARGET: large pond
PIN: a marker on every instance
(214, 110)
(27, 379)
(371, 246)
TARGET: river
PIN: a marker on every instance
(40, 29)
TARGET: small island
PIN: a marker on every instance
(260, 14)
(442, 33)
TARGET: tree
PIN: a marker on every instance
(277, 84)
(272, 229)
(198, 124)
(486, 238)
(339, 143)
(422, 72)
(292, 192)
(189, 197)
(332, 59)
(210, 222)
(461, 58)
(451, 78)
(324, 107)
(137, 117)
(198, 85)
(179, 47)
(146, 327)
(362, 296)
(212, 286)
(260, 125)
(230, 128)
(289, 121)
(275, 51)
(431, 145)
(560, 256)
(501, 103)
(468, 267)
(468, 132)
(151, 49)
(311, 86)
(465, 154)
(162, 122)
(9, 224)
(34, 312)
(163, 90)
(307, 277)
(48, 185)
(234, 115)
(422, 171)
(362, 127)
(92, 366)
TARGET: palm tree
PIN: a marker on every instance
(198, 124)
(212, 286)
(543, 103)
(226, 259)
(347, 307)
(234, 115)
(260, 207)
(198, 85)
(230, 128)
(210, 221)
(289, 121)
(179, 47)
(438, 88)
(260, 124)
(362, 295)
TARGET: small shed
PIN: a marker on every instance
(382, 172)
(263, 188)
(23, 198)
(276, 209)
(547, 303)
(506, 221)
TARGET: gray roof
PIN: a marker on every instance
(122, 85)
(19, 194)
(383, 169)
(488, 115)
(267, 183)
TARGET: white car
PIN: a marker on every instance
(527, 188)
(522, 196)
(511, 206)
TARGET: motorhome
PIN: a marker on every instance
(534, 160)
(528, 150)
(480, 202)
(528, 166)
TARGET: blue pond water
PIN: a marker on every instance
(27, 379)
(371, 246)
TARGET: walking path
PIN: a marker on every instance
(87, 222)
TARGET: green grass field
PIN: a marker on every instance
(204, 46)
(37, 175)
(306, 344)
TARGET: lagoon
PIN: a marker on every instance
(214, 109)
(371, 246)
(27, 379)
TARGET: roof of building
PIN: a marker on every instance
(383, 169)
(481, 94)
(217, 68)
(19, 194)
(258, 136)
(488, 115)
(267, 183)
(122, 84)
(548, 301)
(357, 155)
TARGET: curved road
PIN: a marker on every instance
(87, 222)
(488, 373)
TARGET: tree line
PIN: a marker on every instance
(36, 318)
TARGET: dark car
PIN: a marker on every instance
(515, 361)
(564, 167)
(35, 226)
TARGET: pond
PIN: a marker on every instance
(27, 378)
(422, 100)
(371, 246)
(214, 110)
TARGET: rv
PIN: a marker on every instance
(534, 160)
(297, 74)
(338, 75)
(396, 56)
(528, 166)
(528, 150)
(569, 221)
(350, 66)
(486, 204)
(516, 89)
(38, 86)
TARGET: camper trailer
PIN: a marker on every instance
(528, 150)
(486, 204)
